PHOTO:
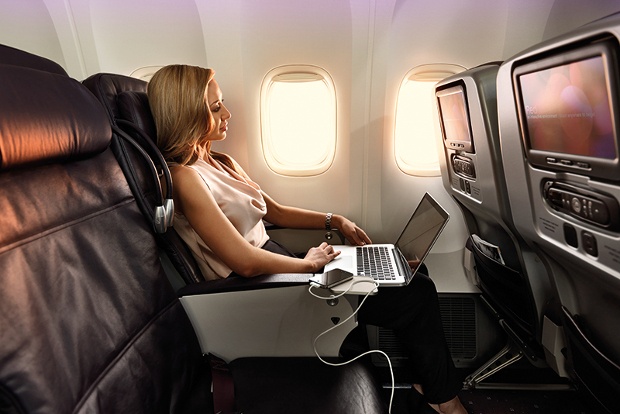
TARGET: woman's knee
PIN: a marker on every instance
(423, 283)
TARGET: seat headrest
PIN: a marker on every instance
(11, 56)
(134, 107)
(107, 86)
(47, 117)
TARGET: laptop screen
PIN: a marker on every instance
(422, 231)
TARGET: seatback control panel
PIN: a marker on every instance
(593, 207)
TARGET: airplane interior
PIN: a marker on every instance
(504, 113)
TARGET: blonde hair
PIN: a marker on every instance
(183, 120)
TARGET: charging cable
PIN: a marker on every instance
(337, 364)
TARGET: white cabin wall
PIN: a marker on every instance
(40, 27)
(271, 34)
(120, 36)
(566, 15)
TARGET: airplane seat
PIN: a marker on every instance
(255, 376)
(86, 328)
(89, 321)
(125, 101)
(513, 283)
(17, 57)
(135, 112)
(559, 116)
(136, 120)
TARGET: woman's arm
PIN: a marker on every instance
(298, 218)
(195, 201)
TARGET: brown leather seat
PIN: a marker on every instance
(89, 321)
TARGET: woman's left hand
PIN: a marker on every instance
(354, 234)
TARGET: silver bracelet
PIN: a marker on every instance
(328, 221)
(328, 226)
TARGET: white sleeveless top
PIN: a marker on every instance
(241, 201)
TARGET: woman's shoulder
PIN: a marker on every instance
(182, 174)
(179, 168)
(193, 168)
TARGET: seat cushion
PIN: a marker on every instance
(304, 385)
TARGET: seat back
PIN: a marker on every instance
(127, 106)
(136, 156)
(517, 285)
(89, 321)
(17, 57)
(559, 116)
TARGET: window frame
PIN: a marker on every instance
(291, 73)
(145, 73)
(422, 73)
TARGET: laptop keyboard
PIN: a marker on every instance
(375, 261)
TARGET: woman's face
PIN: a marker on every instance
(220, 113)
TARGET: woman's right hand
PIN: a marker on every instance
(321, 255)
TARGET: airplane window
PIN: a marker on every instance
(145, 73)
(298, 120)
(417, 131)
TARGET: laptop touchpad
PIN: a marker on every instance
(344, 262)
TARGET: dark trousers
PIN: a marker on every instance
(412, 312)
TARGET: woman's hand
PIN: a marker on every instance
(321, 255)
(354, 234)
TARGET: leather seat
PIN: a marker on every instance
(89, 322)
(258, 383)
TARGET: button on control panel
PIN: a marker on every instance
(588, 240)
(581, 165)
(590, 206)
(463, 166)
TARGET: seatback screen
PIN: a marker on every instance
(567, 109)
(454, 116)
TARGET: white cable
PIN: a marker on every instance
(355, 282)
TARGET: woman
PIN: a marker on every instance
(220, 212)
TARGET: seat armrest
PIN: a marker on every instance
(268, 322)
(239, 284)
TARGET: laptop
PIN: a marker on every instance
(396, 264)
